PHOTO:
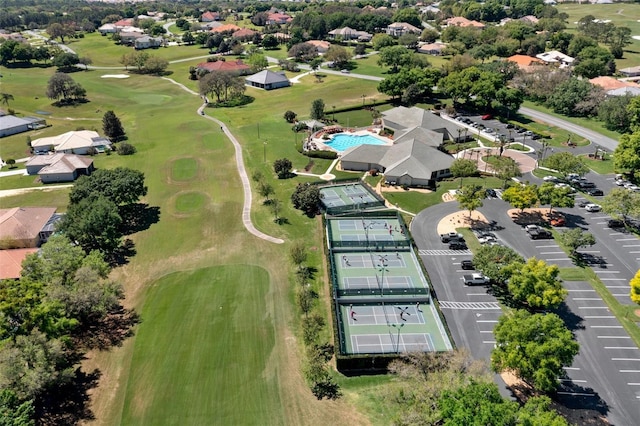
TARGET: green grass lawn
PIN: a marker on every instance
(602, 167)
(202, 351)
(414, 201)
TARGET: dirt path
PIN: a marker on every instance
(20, 191)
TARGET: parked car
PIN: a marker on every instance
(615, 223)
(451, 236)
(633, 188)
(593, 207)
(491, 193)
(476, 279)
(487, 117)
(345, 71)
(487, 240)
(457, 245)
(584, 184)
(558, 221)
(467, 264)
(550, 179)
(595, 192)
(509, 126)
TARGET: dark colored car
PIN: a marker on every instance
(491, 193)
(584, 184)
(510, 126)
(457, 245)
(466, 264)
(615, 223)
(595, 192)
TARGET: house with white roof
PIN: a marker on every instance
(73, 142)
(555, 57)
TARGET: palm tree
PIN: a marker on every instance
(5, 98)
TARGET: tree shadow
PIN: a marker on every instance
(23, 65)
(576, 397)
(138, 217)
(112, 330)
(282, 221)
(572, 321)
(589, 260)
(68, 404)
(121, 255)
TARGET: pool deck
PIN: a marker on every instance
(316, 143)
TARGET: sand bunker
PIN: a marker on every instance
(636, 37)
(115, 76)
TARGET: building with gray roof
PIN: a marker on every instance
(59, 167)
(268, 80)
(402, 118)
(11, 125)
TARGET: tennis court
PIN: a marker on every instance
(353, 195)
(367, 232)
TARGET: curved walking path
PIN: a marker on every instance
(20, 191)
(246, 186)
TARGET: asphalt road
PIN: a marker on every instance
(605, 375)
(594, 137)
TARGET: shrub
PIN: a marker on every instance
(125, 149)
(290, 116)
(328, 155)
(373, 172)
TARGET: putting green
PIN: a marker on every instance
(201, 352)
(151, 99)
(190, 202)
(184, 169)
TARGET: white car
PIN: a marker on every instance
(593, 207)
(633, 188)
(487, 240)
(550, 179)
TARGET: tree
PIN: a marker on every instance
(125, 149)
(188, 38)
(621, 203)
(303, 52)
(290, 116)
(408, 15)
(61, 86)
(269, 42)
(317, 109)
(521, 196)
(634, 112)
(86, 61)
(576, 238)
(11, 163)
(121, 185)
(492, 260)
(535, 285)
(282, 167)
(395, 57)
(257, 62)
(31, 364)
(506, 168)
(112, 127)
(538, 411)
(155, 65)
(56, 30)
(298, 253)
(15, 412)
(461, 168)
(565, 163)
(567, 95)
(635, 288)
(5, 98)
(338, 55)
(535, 347)
(306, 197)
(627, 153)
(554, 196)
(65, 61)
(265, 190)
(470, 197)
(94, 223)
(616, 114)
(476, 404)
(380, 41)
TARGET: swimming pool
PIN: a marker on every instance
(343, 141)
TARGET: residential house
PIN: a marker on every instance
(399, 28)
(524, 62)
(631, 71)
(210, 17)
(244, 34)
(73, 142)
(11, 125)
(237, 66)
(529, 19)
(11, 262)
(108, 29)
(26, 227)
(129, 37)
(12, 36)
(59, 167)
(321, 45)
(413, 160)
(432, 48)
(625, 91)
(556, 58)
(268, 80)
(278, 18)
(127, 22)
(611, 83)
(460, 21)
(401, 118)
(226, 28)
(146, 42)
(347, 33)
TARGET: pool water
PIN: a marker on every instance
(342, 141)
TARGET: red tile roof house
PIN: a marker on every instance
(321, 45)
(278, 18)
(238, 67)
(11, 262)
(210, 17)
(124, 23)
(26, 227)
(244, 34)
(227, 28)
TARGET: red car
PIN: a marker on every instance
(487, 117)
(557, 221)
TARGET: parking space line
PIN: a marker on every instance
(492, 321)
(489, 342)
(613, 279)
(633, 384)
(620, 295)
(571, 368)
(572, 380)
(590, 251)
(615, 233)
(552, 245)
(486, 331)
(629, 371)
(626, 239)
(625, 359)
(598, 317)
(617, 286)
(605, 326)
(621, 347)
(599, 217)
(580, 290)
(631, 245)
(561, 258)
(614, 337)
(593, 307)
(576, 393)
(585, 298)
(551, 252)
(607, 272)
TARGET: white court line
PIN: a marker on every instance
(605, 326)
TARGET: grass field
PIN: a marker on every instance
(229, 378)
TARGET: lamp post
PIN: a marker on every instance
(363, 99)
